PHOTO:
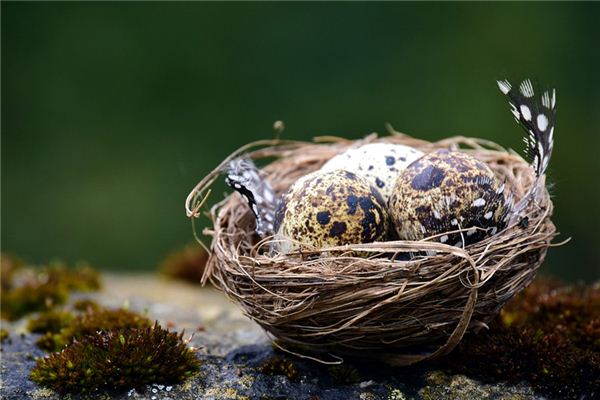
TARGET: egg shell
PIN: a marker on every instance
(331, 208)
(445, 191)
(380, 163)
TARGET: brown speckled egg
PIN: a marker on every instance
(445, 191)
(330, 208)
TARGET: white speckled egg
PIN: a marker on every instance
(445, 191)
(330, 208)
(380, 163)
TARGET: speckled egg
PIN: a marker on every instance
(445, 191)
(380, 163)
(330, 208)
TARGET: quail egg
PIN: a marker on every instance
(380, 163)
(330, 208)
(446, 191)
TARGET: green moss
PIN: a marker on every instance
(91, 322)
(117, 359)
(41, 289)
(48, 341)
(8, 265)
(82, 278)
(186, 264)
(50, 321)
(3, 334)
(86, 305)
(548, 335)
(279, 366)
(344, 374)
(31, 297)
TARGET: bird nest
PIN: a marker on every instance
(397, 301)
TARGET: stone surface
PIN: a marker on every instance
(232, 349)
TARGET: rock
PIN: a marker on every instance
(233, 350)
(440, 385)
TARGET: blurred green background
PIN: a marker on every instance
(111, 112)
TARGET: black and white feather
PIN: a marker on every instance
(537, 116)
(245, 178)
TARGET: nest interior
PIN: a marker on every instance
(399, 301)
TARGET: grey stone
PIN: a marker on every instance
(232, 349)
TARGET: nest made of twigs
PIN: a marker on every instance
(400, 312)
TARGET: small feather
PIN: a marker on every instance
(539, 125)
(537, 117)
(246, 179)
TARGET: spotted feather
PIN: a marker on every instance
(246, 179)
(537, 117)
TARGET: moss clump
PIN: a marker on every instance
(51, 321)
(279, 366)
(117, 359)
(3, 334)
(186, 264)
(344, 374)
(89, 323)
(41, 289)
(47, 341)
(31, 297)
(8, 265)
(86, 305)
(548, 335)
(82, 278)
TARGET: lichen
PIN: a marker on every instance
(117, 359)
(246, 381)
(367, 396)
(436, 378)
(344, 374)
(396, 394)
(460, 387)
(279, 366)
(549, 335)
(223, 393)
(186, 264)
